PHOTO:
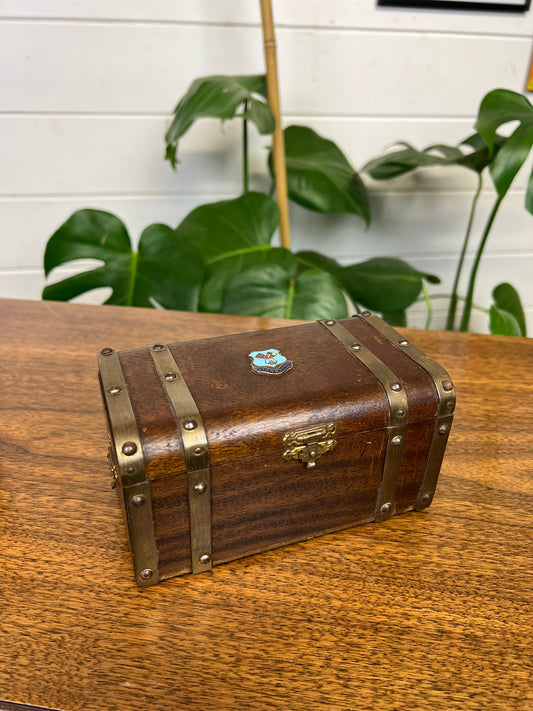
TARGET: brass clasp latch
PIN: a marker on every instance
(310, 444)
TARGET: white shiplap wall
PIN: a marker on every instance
(87, 86)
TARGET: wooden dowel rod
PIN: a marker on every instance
(278, 147)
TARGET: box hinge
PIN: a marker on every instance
(195, 447)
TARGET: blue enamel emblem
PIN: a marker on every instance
(269, 362)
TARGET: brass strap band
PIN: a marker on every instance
(398, 415)
(128, 461)
(195, 447)
(446, 405)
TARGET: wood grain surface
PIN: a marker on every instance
(428, 610)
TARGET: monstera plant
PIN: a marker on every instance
(501, 156)
(222, 257)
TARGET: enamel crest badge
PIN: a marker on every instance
(269, 362)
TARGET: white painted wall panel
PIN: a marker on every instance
(72, 155)
(107, 68)
(316, 14)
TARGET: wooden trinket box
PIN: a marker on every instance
(225, 447)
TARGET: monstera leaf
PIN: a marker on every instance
(221, 97)
(476, 153)
(316, 260)
(384, 284)
(276, 292)
(407, 158)
(498, 108)
(230, 236)
(472, 153)
(507, 316)
(221, 273)
(161, 271)
(228, 228)
(319, 177)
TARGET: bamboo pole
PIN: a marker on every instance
(278, 147)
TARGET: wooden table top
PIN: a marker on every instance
(428, 610)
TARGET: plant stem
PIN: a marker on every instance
(450, 319)
(290, 299)
(245, 152)
(133, 276)
(427, 299)
(465, 320)
(477, 307)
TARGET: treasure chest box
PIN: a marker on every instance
(226, 447)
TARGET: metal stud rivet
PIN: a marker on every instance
(106, 351)
(396, 387)
(356, 347)
(425, 498)
(138, 500)
(146, 574)
(396, 441)
(204, 559)
(450, 405)
(400, 413)
(198, 450)
(190, 425)
(386, 508)
(130, 470)
(447, 385)
(129, 448)
(330, 322)
(443, 429)
(366, 313)
(404, 342)
(170, 376)
(114, 390)
(200, 487)
(158, 347)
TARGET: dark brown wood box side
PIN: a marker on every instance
(264, 502)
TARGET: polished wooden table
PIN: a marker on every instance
(428, 610)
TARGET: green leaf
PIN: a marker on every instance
(221, 97)
(479, 157)
(472, 153)
(227, 228)
(222, 272)
(503, 323)
(316, 260)
(384, 284)
(88, 234)
(319, 177)
(278, 293)
(507, 299)
(160, 271)
(229, 236)
(497, 108)
(395, 318)
(398, 162)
